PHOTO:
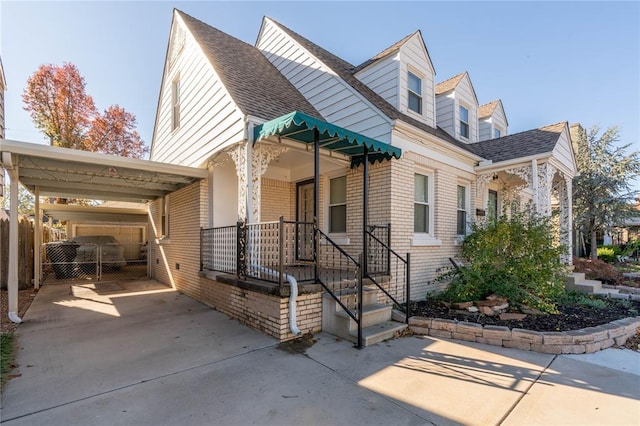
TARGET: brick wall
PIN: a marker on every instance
(263, 312)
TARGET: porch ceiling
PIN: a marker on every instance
(300, 127)
(69, 173)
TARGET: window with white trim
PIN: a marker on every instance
(338, 205)
(422, 208)
(175, 103)
(464, 122)
(497, 133)
(462, 213)
(414, 84)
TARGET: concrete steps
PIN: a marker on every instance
(377, 324)
(577, 281)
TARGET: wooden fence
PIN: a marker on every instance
(25, 250)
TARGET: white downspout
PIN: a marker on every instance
(293, 295)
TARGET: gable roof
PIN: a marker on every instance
(487, 110)
(449, 84)
(345, 71)
(256, 86)
(519, 145)
(389, 50)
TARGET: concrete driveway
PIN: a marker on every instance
(138, 353)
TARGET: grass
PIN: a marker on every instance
(7, 353)
(627, 267)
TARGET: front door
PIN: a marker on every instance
(304, 217)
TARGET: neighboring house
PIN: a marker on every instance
(285, 122)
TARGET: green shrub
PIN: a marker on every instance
(514, 257)
(608, 253)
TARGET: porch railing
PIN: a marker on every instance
(218, 251)
(388, 270)
(272, 250)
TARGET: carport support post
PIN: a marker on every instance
(37, 241)
(12, 284)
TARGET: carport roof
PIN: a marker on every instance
(70, 173)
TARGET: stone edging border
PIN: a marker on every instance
(587, 340)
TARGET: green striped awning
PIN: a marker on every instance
(299, 127)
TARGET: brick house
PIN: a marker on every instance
(323, 175)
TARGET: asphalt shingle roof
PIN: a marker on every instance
(395, 46)
(523, 144)
(256, 86)
(345, 71)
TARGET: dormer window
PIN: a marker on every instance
(464, 122)
(415, 92)
(496, 133)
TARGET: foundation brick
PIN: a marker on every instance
(590, 348)
(517, 344)
(492, 342)
(464, 336)
(443, 324)
(469, 328)
(419, 330)
(597, 333)
(573, 349)
(494, 332)
(420, 321)
(526, 335)
(556, 338)
(440, 333)
(580, 336)
(607, 343)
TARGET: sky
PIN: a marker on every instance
(547, 61)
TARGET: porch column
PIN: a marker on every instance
(239, 155)
(565, 192)
(544, 184)
(482, 181)
(262, 155)
(316, 200)
(365, 213)
(37, 240)
(12, 278)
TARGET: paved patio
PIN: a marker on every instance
(140, 353)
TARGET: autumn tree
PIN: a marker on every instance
(114, 133)
(602, 192)
(56, 99)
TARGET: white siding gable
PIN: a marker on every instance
(382, 77)
(203, 101)
(563, 152)
(497, 120)
(414, 58)
(448, 110)
(334, 98)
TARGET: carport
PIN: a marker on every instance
(48, 171)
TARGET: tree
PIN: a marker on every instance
(114, 133)
(55, 98)
(602, 192)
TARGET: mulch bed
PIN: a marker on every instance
(569, 317)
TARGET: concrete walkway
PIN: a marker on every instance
(139, 353)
